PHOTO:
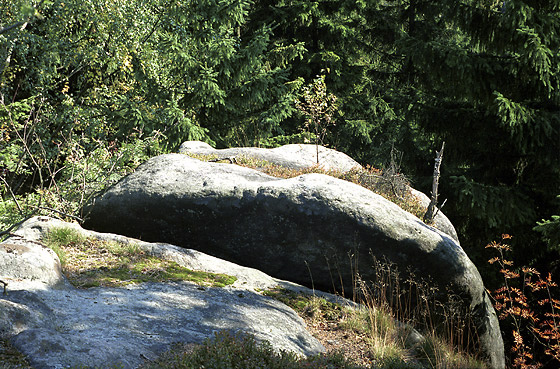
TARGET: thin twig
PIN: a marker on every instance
(60, 212)
(6, 29)
(12, 195)
(439, 208)
(231, 160)
(9, 230)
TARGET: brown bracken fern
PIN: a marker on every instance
(513, 302)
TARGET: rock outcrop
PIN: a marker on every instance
(58, 326)
(295, 156)
(312, 229)
(303, 156)
(30, 261)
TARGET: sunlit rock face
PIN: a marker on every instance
(313, 229)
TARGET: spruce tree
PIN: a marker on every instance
(231, 78)
(480, 75)
(483, 77)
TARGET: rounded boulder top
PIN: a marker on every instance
(294, 156)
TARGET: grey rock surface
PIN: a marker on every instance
(108, 326)
(27, 260)
(59, 326)
(441, 222)
(312, 229)
(302, 156)
(294, 156)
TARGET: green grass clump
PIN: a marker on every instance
(59, 237)
(88, 262)
(240, 351)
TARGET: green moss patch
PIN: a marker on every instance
(312, 306)
(88, 262)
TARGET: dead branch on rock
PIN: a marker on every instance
(231, 160)
(430, 213)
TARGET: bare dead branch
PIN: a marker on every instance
(430, 213)
(231, 160)
(12, 195)
(60, 213)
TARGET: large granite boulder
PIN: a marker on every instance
(303, 156)
(58, 326)
(312, 229)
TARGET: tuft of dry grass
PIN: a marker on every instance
(370, 336)
(391, 185)
(445, 324)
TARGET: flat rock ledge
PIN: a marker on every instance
(57, 326)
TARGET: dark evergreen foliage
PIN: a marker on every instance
(483, 77)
